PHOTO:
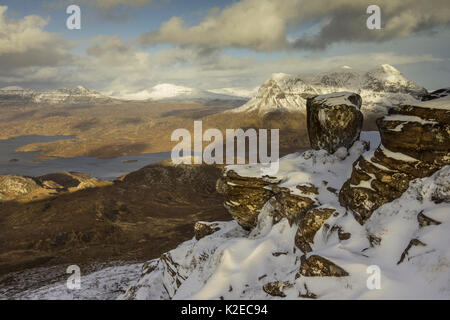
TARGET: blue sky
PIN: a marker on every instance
(133, 45)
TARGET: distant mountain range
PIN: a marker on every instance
(381, 87)
(171, 92)
(79, 95)
(160, 92)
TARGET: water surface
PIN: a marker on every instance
(24, 163)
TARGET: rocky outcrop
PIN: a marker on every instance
(436, 94)
(415, 144)
(203, 229)
(291, 206)
(20, 188)
(12, 187)
(317, 266)
(334, 120)
(245, 196)
(275, 289)
(310, 223)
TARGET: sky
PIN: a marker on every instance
(128, 46)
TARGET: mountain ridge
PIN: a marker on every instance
(381, 87)
(77, 95)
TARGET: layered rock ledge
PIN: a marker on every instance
(415, 143)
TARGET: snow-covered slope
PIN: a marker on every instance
(15, 94)
(78, 95)
(105, 284)
(232, 263)
(75, 95)
(237, 92)
(171, 92)
(381, 87)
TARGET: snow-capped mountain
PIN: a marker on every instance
(381, 87)
(172, 92)
(238, 92)
(70, 96)
(78, 95)
(15, 95)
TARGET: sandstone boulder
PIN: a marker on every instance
(317, 266)
(290, 206)
(203, 229)
(334, 120)
(245, 196)
(308, 226)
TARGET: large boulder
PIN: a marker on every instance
(415, 144)
(246, 196)
(317, 266)
(334, 120)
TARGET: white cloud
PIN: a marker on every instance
(32, 57)
(263, 25)
(25, 43)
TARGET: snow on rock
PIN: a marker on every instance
(334, 120)
(437, 103)
(339, 98)
(380, 88)
(266, 262)
(437, 94)
(415, 144)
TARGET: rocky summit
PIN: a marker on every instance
(319, 227)
(334, 120)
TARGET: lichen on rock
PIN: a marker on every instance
(334, 120)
